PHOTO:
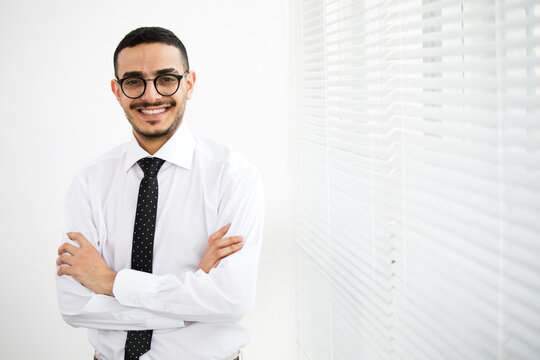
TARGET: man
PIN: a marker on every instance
(141, 266)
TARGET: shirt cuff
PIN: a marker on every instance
(133, 288)
(137, 288)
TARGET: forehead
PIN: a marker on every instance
(148, 58)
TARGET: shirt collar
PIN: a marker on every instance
(177, 150)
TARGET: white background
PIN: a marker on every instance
(57, 113)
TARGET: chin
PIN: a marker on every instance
(157, 133)
(151, 132)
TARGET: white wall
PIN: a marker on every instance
(57, 113)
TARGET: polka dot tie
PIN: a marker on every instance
(138, 342)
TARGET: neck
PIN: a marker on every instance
(152, 144)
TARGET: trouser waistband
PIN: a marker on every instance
(235, 356)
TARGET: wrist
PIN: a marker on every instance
(111, 277)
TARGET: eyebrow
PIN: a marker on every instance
(166, 71)
(157, 72)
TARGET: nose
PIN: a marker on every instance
(150, 93)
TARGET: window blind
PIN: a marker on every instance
(417, 128)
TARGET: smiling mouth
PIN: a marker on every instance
(152, 111)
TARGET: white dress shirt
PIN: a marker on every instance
(203, 186)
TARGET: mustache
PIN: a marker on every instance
(145, 104)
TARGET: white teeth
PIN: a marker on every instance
(152, 112)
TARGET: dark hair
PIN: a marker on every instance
(148, 35)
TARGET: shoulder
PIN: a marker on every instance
(213, 154)
(236, 181)
(105, 164)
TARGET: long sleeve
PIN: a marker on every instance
(228, 291)
(78, 305)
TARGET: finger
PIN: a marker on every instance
(67, 248)
(229, 250)
(77, 236)
(215, 265)
(64, 270)
(221, 243)
(220, 233)
(64, 260)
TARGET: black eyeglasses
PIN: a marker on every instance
(166, 85)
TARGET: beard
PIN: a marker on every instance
(165, 133)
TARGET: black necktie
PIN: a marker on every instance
(138, 342)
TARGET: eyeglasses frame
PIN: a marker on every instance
(154, 80)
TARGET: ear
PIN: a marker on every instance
(190, 83)
(115, 87)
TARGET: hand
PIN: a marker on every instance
(219, 248)
(86, 265)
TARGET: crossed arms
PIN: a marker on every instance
(85, 264)
(93, 295)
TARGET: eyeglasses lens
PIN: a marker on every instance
(133, 87)
(166, 84)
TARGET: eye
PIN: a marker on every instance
(132, 82)
(167, 79)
